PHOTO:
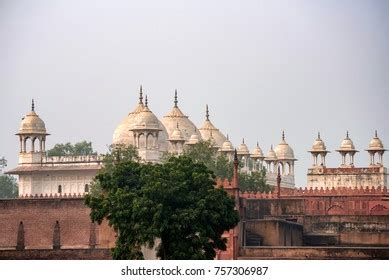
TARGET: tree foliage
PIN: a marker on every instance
(175, 202)
(8, 187)
(3, 163)
(254, 182)
(204, 152)
(78, 149)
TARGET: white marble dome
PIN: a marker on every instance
(347, 144)
(283, 150)
(227, 146)
(177, 134)
(257, 152)
(376, 144)
(209, 131)
(32, 123)
(122, 133)
(194, 139)
(243, 149)
(140, 118)
(271, 155)
(319, 145)
(185, 124)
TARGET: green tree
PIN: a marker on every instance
(204, 152)
(175, 202)
(8, 187)
(254, 182)
(3, 163)
(79, 149)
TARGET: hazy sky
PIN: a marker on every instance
(262, 66)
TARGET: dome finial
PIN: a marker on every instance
(283, 136)
(271, 147)
(146, 102)
(175, 98)
(347, 135)
(140, 95)
(227, 137)
(243, 140)
(32, 105)
(376, 134)
(207, 112)
(318, 135)
(257, 144)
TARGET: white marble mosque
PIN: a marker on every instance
(153, 137)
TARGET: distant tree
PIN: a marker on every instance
(254, 182)
(79, 149)
(8, 187)
(3, 163)
(175, 202)
(204, 152)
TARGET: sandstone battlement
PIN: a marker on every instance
(300, 192)
(52, 196)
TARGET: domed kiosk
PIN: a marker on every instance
(32, 130)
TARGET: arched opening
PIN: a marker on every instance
(86, 188)
(33, 149)
(336, 210)
(141, 141)
(287, 168)
(59, 189)
(25, 144)
(150, 141)
(280, 165)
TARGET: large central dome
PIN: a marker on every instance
(174, 117)
(139, 117)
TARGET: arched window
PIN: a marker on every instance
(86, 189)
(59, 189)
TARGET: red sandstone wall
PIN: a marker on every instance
(66, 254)
(318, 253)
(39, 217)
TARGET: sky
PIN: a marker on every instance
(262, 66)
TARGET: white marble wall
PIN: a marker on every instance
(48, 182)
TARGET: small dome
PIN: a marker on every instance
(376, 144)
(283, 150)
(243, 149)
(177, 135)
(194, 139)
(32, 123)
(271, 155)
(227, 146)
(347, 145)
(319, 145)
(208, 131)
(257, 153)
(213, 142)
(146, 120)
